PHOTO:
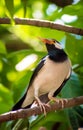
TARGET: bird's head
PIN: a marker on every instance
(51, 42)
(55, 51)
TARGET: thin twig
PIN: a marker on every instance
(23, 113)
(43, 23)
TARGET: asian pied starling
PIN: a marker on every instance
(48, 78)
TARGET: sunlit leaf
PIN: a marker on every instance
(10, 7)
(24, 3)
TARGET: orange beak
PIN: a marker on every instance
(46, 40)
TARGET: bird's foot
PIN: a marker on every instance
(42, 105)
(62, 101)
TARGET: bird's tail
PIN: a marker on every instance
(43, 98)
(19, 104)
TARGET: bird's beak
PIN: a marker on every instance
(46, 40)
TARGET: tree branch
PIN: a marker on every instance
(23, 113)
(42, 23)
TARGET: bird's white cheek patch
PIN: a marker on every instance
(58, 46)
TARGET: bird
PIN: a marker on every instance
(48, 78)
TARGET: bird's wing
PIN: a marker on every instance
(62, 85)
(37, 69)
(19, 103)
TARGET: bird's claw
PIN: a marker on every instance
(63, 101)
(42, 105)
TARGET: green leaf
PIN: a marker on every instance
(2, 48)
(10, 7)
(24, 3)
(21, 84)
(17, 56)
(50, 120)
(76, 117)
(79, 114)
(5, 99)
(74, 47)
(73, 119)
(72, 87)
(21, 124)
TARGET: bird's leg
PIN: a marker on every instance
(51, 98)
(40, 104)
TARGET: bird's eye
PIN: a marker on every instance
(54, 41)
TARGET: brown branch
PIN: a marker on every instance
(42, 23)
(23, 113)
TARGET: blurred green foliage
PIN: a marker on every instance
(18, 41)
